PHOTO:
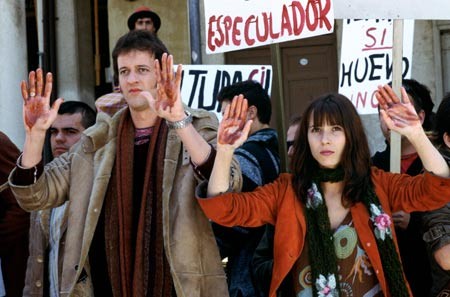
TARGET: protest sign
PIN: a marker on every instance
(366, 59)
(388, 9)
(202, 83)
(239, 24)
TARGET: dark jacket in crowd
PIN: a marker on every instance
(262, 262)
(14, 225)
(260, 164)
(436, 225)
(412, 248)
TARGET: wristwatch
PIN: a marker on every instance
(180, 124)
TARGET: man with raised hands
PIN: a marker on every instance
(134, 228)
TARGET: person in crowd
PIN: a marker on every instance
(112, 102)
(133, 226)
(260, 164)
(262, 262)
(73, 118)
(14, 225)
(333, 214)
(143, 18)
(48, 227)
(294, 124)
(436, 224)
(408, 225)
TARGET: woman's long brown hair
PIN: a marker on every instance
(334, 109)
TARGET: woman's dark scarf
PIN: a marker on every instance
(322, 256)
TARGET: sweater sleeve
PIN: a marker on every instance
(206, 124)
(50, 189)
(411, 193)
(249, 209)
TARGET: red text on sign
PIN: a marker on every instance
(224, 30)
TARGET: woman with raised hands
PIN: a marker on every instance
(332, 215)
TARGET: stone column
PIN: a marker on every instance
(13, 68)
(75, 65)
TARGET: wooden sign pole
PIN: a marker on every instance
(397, 52)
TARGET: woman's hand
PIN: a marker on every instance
(233, 131)
(234, 127)
(399, 116)
(37, 114)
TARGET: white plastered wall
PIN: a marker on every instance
(13, 63)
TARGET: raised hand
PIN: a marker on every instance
(37, 115)
(36, 96)
(403, 118)
(399, 116)
(234, 127)
(168, 102)
(233, 131)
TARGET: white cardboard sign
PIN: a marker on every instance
(239, 24)
(392, 9)
(366, 59)
(202, 83)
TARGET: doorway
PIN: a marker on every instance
(309, 69)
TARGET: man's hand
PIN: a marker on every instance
(37, 114)
(167, 103)
(234, 127)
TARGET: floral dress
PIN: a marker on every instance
(356, 275)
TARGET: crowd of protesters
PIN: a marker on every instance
(146, 196)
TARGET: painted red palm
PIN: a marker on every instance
(34, 109)
(233, 122)
(166, 94)
(36, 103)
(400, 113)
(167, 84)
